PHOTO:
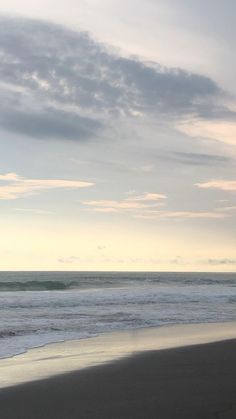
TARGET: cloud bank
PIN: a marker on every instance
(58, 83)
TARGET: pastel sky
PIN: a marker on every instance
(118, 135)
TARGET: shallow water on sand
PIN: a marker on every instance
(58, 358)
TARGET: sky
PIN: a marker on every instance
(118, 135)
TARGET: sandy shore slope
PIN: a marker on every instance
(196, 382)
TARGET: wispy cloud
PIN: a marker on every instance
(222, 261)
(220, 130)
(115, 205)
(18, 187)
(70, 259)
(153, 215)
(224, 185)
(199, 159)
(104, 209)
(147, 168)
(34, 211)
(148, 196)
(132, 203)
(101, 247)
(226, 209)
(149, 206)
(75, 259)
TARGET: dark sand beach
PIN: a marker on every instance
(196, 382)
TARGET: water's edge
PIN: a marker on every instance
(71, 355)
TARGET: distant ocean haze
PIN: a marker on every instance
(37, 308)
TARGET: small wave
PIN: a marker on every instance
(37, 281)
(7, 334)
(36, 286)
(17, 332)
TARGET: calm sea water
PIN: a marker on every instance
(42, 307)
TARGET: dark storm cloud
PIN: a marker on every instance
(46, 65)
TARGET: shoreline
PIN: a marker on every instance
(186, 382)
(75, 355)
(48, 344)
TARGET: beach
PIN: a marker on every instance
(117, 345)
(192, 382)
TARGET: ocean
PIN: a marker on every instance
(37, 308)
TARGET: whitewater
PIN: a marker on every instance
(37, 308)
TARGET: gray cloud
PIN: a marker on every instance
(101, 247)
(199, 159)
(223, 261)
(70, 259)
(46, 67)
(49, 123)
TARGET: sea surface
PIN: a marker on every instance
(37, 308)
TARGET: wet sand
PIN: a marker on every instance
(195, 382)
